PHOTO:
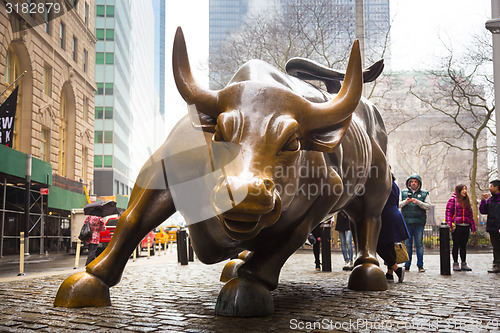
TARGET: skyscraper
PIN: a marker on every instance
(113, 121)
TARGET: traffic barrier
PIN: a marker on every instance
(77, 256)
(149, 244)
(21, 255)
(444, 249)
(326, 251)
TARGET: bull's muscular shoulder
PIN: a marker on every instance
(261, 71)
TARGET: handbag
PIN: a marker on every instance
(401, 253)
(311, 239)
(86, 232)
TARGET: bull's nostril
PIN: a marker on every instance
(269, 184)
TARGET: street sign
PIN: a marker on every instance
(44, 191)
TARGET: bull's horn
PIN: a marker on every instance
(342, 106)
(204, 99)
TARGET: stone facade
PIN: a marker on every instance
(54, 76)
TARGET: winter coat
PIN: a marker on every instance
(393, 224)
(414, 213)
(342, 222)
(97, 225)
(492, 208)
(457, 213)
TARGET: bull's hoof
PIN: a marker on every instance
(367, 277)
(244, 298)
(81, 290)
(230, 270)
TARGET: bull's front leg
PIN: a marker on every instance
(366, 213)
(147, 209)
(249, 294)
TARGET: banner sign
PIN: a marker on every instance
(7, 116)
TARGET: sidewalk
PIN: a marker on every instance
(159, 295)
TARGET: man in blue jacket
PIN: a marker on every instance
(414, 205)
(490, 204)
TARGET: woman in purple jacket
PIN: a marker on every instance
(460, 219)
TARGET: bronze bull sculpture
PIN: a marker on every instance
(274, 156)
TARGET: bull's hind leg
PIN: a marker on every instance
(147, 209)
(366, 211)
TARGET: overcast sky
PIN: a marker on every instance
(418, 31)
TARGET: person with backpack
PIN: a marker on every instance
(96, 225)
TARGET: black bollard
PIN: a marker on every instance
(190, 250)
(444, 248)
(326, 252)
(182, 247)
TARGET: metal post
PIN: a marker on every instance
(444, 248)
(21, 254)
(326, 251)
(493, 26)
(77, 256)
(190, 250)
(3, 215)
(42, 227)
(149, 244)
(27, 203)
(134, 254)
(182, 247)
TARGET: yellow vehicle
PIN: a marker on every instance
(161, 237)
(172, 233)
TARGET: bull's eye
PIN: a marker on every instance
(292, 144)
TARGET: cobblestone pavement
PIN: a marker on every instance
(159, 295)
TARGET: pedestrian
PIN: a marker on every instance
(490, 204)
(316, 232)
(97, 225)
(393, 230)
(414, 204)
(460, 219)
(344, 230)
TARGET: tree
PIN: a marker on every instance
(320, 30)
(461, 96)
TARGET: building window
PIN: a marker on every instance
(108, 161)
(98, 137)
(85, 109)
(99, 58)
(108, 89)
(100, 88)
(85, 165)
(110, 34)
(47, 80)
(12, 71)
(62, 29)
(98, 161)
(85, 60)
(99, 34)
(46, 19)
(108, 136)
(100, 11)
(44, 146)
(108, 114)
(110, 11)
(62, 137)
(98, 112)
(110, 58)
(75, 49)
(86, 17)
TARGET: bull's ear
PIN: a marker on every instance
(327, 139)
(201, 120)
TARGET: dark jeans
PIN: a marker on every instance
(495, 242)
(386, 251)
(460, 238)
(92, 253)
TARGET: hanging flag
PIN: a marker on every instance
(7, 116)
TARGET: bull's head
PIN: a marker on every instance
(270, 125)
